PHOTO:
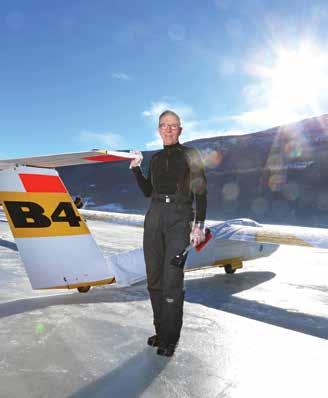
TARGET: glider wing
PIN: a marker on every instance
(251, 231)
(68, 159)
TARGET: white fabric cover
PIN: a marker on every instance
(128, 267)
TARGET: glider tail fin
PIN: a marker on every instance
(54, 242)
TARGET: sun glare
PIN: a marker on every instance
(294, 86)
(298, 78)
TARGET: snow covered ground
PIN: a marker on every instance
(260, 332)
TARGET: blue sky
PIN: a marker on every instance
(85, 74)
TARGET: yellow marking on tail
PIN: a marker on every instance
(108, 281)
(55, 210)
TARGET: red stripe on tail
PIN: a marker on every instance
(42, 183)
(105, 158)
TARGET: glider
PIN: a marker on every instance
(58, 250)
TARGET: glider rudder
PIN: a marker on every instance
(54, 242)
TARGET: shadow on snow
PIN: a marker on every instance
(129, 379)
(218, 292)
(215, 292)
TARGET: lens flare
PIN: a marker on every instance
(276, 182)
(39, 328)
(291, 191)
(212, 159)
(230, 191)
(293, 149)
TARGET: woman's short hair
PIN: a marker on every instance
(168, 112)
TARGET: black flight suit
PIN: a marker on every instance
(175, 178)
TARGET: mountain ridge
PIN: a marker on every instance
(274, 176)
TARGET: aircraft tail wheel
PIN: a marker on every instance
(228, 269)
(83, 289)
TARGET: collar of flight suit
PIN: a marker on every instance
(172, 147)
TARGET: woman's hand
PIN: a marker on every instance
(136, 162)
(197, 235)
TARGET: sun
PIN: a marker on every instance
(297, 78)
(290, 85)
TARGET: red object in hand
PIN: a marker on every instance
(179, 259)
(208, 236)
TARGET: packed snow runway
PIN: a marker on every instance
(260, 332)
